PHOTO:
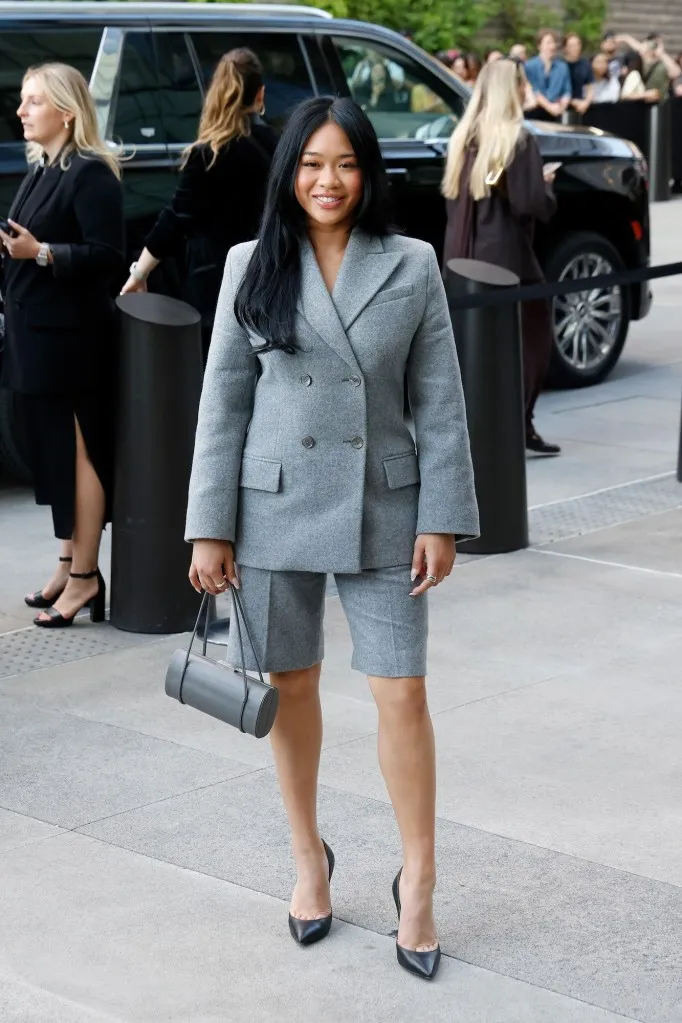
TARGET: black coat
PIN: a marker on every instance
(214, 208)
(61, 319)
(499, 229)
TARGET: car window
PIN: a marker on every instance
(20, 50)
(286, 77)
(159, 99)
(401, 98)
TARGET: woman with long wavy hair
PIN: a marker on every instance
(304, 465)
(496, 189)
(63, 259)
(219, 199)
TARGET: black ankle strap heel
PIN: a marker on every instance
(96, 604)
(39, 601)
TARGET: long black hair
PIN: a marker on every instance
(266, 299)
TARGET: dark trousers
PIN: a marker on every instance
(537, 331)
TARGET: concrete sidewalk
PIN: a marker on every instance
(145, 869)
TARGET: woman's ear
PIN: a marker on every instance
(259, 101)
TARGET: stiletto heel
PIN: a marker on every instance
(98, 602)
(38, 600)
(307, 932)
(423, 964)
(96, 605)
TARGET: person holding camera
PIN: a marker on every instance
(63, 254)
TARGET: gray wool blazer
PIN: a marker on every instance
(305, 462)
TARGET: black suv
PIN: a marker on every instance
(149, 65)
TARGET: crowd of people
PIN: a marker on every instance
(562, 78)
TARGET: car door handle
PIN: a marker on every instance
(398, 172)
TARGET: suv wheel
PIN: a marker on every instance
(12, 444)
(590, 327)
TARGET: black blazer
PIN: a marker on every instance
(213, 209)
(61, 319)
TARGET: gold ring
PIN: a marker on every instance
(431, 579)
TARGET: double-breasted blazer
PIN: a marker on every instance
(60, 319)
(305, 461)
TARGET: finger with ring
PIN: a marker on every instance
(221, 585)
(432, 579)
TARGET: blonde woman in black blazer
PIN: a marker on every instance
(61, 258)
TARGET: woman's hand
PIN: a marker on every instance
(23, 245)
(434, 555)
(213, 566)
(132, 284)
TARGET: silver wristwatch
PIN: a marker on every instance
(43, 257)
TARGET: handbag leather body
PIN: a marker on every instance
(226, 693)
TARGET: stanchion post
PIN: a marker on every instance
(679, 454)
(161, 369)
(489, 348)
(660, 158)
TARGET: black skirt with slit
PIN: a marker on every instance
(51, 441)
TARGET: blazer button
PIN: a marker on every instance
(306, 380)
(357, 442)
(308, 442)
(356, 380)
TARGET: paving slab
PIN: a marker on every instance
(655, 545)
(604, 936)
(17, 829)
(144, 942)
(67, 771)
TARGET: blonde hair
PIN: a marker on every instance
(236, 82)
(492, 123)
(67, 90)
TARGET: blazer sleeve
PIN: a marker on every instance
(447, 499)
(187, 206)
(98, 206)
(528, 193)
(225, 411)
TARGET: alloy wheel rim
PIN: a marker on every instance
(587, 324)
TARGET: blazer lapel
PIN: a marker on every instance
(27, 182)
(39, 195)
(316, 305)
(365, 269)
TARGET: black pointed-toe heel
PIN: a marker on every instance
(38, 600)
(307, 932)
(423, 964)
(96, 605)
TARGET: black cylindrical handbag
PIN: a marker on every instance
(226, 693)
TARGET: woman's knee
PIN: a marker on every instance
(400, 696)
(299, 684)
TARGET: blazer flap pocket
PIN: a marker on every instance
(260, 473)
(401, 470)
(392, 293)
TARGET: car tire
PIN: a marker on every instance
(12, 442)
(590, 328)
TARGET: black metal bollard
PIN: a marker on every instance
(160, 385)
(660, 158)
(679, 455)
(489, 348)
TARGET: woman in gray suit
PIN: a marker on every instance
(304, 465)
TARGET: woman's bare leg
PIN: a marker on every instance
(60, 576)
(87, 533)
(296, 739)
(408, 764)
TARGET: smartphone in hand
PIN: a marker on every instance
(551, 168)
(7, 228)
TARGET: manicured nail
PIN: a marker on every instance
(413, 574)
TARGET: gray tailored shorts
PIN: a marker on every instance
(285, 613)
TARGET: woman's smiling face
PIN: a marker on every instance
(329, 182)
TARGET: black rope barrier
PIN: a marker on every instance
(552, 289)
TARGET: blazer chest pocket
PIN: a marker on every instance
(401, 470)
(260, 473)
(391, 294)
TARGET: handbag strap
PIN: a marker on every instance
(238, 613)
